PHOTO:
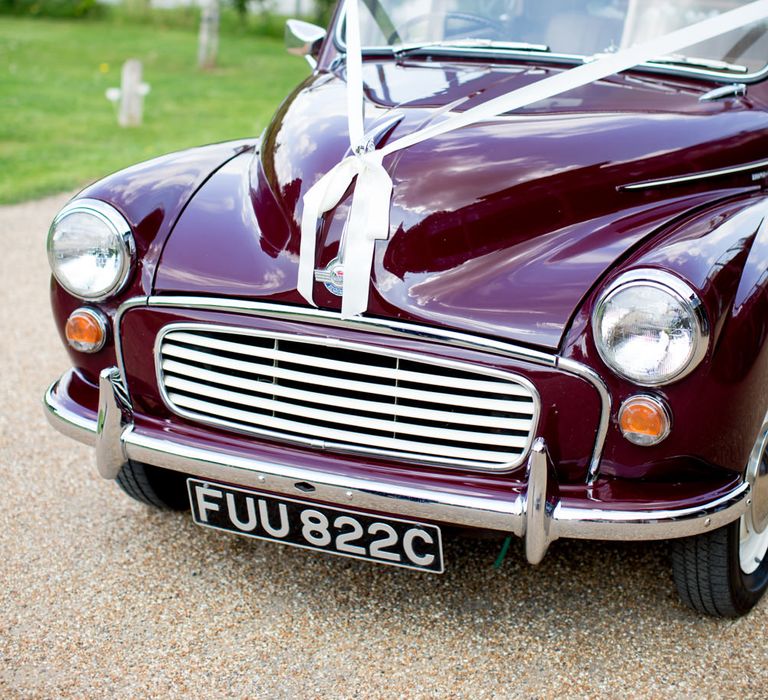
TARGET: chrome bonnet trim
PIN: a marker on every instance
(400, 329)
(759, 165)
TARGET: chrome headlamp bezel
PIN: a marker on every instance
(124, 236)
(677, 288)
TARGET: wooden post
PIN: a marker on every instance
(132, 92)
(208, 44)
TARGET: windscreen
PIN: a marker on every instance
(571, 27)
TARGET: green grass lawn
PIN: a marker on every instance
(57, 129)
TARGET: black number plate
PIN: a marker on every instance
(338, 531)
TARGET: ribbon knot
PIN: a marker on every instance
(366, 147)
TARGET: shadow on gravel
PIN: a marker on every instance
(577, 583)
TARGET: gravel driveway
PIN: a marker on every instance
(101, 597)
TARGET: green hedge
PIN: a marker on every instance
(50, 8)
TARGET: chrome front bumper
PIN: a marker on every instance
(536, 514)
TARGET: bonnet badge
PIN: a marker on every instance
(332, 276)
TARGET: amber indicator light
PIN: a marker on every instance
(644, 420)
(85, 330)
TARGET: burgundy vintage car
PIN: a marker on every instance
(494, 266)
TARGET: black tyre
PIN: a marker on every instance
(154, 486)
(724, 573)
(709, 571)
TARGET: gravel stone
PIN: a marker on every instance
(101, 597)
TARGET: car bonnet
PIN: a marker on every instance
(501, 227)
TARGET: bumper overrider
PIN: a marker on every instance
(535, 514)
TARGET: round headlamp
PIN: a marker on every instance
(650, 327)
(90, 249)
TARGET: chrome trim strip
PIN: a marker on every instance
(388, 327)
(695, 177)
(133, 303)
(372, 349)
(593, 378)
(534, 512)
(369, 325)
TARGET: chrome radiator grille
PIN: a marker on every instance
(346, 396)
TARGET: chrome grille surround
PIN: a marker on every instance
(346, 396)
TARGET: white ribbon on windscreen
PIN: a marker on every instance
(369, 214)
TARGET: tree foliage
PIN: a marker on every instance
(324, 9)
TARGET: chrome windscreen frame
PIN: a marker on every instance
(384, 327)
(561, 58)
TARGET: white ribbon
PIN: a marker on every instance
(368, 222)
(369, 215)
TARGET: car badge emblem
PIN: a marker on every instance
(332, 276)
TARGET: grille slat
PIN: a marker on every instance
(348, 396)
(336, 434)
(175, 370)
(367, 370)
(347, 419)
(272, 372)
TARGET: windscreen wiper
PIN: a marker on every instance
(689, 62)
(459, 44)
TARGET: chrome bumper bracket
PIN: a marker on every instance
(115, 417)
(538, 504)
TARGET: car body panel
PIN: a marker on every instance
(711, 250)
(151, 196)
(506, 242)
